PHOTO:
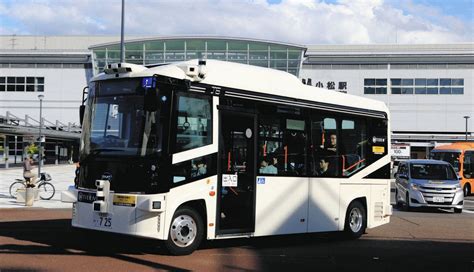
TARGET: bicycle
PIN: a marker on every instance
(46, 189)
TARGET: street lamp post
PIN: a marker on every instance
(40, 97)
(466, 117)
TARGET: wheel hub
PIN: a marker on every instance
(183, 230)
(355, 220)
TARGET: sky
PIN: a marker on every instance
(293, 21)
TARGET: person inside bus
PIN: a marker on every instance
(266, 168)
(332, 147)
(199, 169)
(325, 169)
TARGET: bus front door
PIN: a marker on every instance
(236, 198)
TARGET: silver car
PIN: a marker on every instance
(428, 183)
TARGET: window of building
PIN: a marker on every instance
(21, 84)
(375, 86)
(427, 86)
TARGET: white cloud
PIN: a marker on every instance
(295, 21)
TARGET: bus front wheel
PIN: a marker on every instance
(467, 189)
(186, 232)
(356, 220)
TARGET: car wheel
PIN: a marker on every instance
(356, 220)
(467, 189)
(186, 232)
(407, 203)
(397, 202)
(456, 210)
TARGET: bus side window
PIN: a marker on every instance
(194, 122)
(323, 146)
(468, 168)
(194, 169)
(353, 145)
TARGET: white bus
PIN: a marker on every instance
(210, 150)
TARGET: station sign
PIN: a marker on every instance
(400, 151)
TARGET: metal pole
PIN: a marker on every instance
(40, 142)
(16, 142)
(466, 117)
(122, 44)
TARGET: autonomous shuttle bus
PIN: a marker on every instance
(209, 150)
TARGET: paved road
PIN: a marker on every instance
(416, 241)
(62, 177)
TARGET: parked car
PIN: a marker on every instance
(428, 183)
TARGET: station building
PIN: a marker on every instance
(428, 88)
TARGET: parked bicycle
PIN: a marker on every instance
(46, 189)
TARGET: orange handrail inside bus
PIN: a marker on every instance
(354, 165)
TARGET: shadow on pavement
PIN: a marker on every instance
(57, 237)
(313, 252)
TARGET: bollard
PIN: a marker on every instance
(29, 196)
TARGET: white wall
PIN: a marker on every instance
(62, 94)
(443, 113)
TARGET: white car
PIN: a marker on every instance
(428, 183)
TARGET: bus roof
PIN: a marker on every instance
(256, 79)
(461, 146)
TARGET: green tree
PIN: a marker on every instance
(32, 149)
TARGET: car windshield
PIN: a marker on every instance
(125, 119)
(451, 157)
(432, 171)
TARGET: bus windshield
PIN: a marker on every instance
(448, 156)
(125, 118)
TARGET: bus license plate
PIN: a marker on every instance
(438, 199)
(102, 221)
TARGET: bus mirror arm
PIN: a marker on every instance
(82, 107)
(82, 110)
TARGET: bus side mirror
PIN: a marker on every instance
(82, 110)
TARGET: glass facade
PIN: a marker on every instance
(259, 53)
(415, 86)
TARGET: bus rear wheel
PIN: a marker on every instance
(186, 232)
(356, 220)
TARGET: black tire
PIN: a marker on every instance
(186, 232)
(466, 189)
(46, 191)
(356, 220)
(397, 203)
(15, 186)
(456, 210)
(406, 205)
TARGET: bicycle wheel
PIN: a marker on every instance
(15, 187)
(46, 191)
